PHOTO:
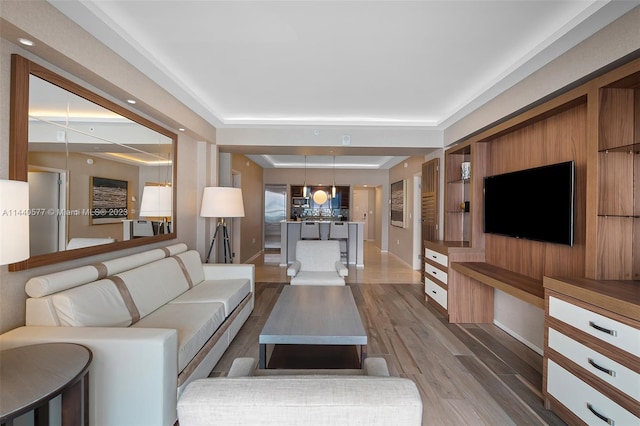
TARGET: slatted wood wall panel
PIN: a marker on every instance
(558, 138)
(429, 196)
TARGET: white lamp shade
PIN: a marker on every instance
(14, 221)
(157, 201)
(218, 201)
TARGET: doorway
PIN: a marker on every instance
(363, 202)
(47, 231)
(275, 204)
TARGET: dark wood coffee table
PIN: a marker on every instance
(313, 315)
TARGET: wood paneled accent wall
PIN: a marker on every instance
(595, 124)
(554, 139)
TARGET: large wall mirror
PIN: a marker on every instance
(101, 177)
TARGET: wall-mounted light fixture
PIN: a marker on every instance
(14, 221)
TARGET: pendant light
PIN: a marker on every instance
(304, 188)
(333, 188)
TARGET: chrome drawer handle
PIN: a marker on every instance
(435, 257)
(601, 368)
(433, 291)
(604, 330)
(600, 416)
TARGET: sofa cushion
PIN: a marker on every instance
(154, 284)
(121, 264)
(192, 266)
(97, 304)
(318, 255)
(59, 281)
(194, 322)
(229, 292)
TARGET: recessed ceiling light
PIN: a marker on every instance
(26, 42)
(181, 129)
(131, 101)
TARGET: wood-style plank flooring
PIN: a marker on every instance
(467, 374)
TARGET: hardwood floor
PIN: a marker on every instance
(467, 374)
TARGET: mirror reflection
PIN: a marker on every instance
(87, 171)
(88, 161)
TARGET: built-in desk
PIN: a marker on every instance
(525, 288)
(290, 234)
(471, 287)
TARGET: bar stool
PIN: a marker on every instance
(340, 231)
(310, 231)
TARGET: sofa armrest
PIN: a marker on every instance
(133, 374)
(375, 366)
(294, 268)
(243, 367)
(324, 400)
(342, 270)
(221, 271)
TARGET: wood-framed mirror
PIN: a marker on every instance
(87, 161)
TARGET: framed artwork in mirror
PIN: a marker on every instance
(108, 200)
(398, 203)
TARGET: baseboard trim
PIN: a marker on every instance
(518, 337)
(254, 257)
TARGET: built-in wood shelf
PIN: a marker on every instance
(633, 148)
(525, 288)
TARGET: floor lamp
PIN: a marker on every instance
(14, 221)
(222, 202)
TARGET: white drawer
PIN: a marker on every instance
(617, 375)
(436, 257)
(604, 328)
(581, 399)
(434, 272)
(435, 292)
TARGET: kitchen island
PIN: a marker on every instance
(290, 234)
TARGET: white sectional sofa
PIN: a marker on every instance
(155, 321)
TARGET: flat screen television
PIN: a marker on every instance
(533, 204)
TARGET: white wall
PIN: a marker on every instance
(401, 239)
(360, 137)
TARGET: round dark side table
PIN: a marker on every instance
(31, 376)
